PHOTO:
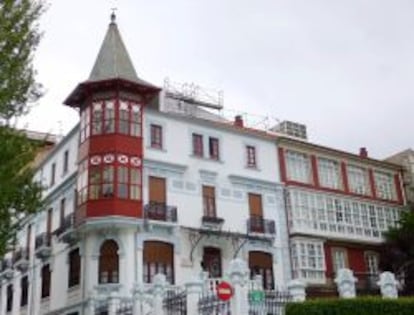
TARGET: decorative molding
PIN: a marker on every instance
(167, 167)
(253, 183)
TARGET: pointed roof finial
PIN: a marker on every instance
(113, 16)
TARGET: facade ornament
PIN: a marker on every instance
(388, 285)
(345, 282)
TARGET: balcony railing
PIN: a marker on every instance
(21, 258)
(43, 245)
(256, 224)
(65, 231)
(7, 268)
(160, 212)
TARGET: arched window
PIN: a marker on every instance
(109, 262)
(158, 258)
(262, 263)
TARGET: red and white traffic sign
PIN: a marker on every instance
(224, 291)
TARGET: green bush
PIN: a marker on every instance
(358, 306)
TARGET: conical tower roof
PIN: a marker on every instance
(113, 61)
(112, 64)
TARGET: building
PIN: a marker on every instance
(338, 207)
(150, 181)
(406, 160)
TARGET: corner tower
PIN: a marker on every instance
(110, 156)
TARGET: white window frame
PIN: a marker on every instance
(298, 166)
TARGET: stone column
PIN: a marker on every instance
(388, 285)
(90, 306)
(138, 294)
(112, 303)
(239, 278)
(345, 282)
(297, 290)
(160, 284)
(194, 291)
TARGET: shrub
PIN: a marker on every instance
(357, 306)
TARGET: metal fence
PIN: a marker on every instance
(270, 303)
(211, 305)
(175, 302)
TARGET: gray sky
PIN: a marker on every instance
(344, 68)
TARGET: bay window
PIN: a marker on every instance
(298, 166)
(358, 180)
(384, 185)
(328, 171)
(308, 260)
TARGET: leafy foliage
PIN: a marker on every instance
(19, 37)
(358, 306)
(398, 253)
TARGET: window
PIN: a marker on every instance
(156, 136)
(212, 262)
(9, 302)
(209, 201)
(109, 119)
(97, 118)
(213, 145)
(62, 210)
(65, 162)
(82, 183)
(198, 145)
(109, 262)
(251, 156)
(158, 258)
(24, 284)
(49, 220)
(329, 175)
(108, 180)
(371, 263)
(308, 260)
(74, 268)
(384, 185)
(261, 263)
(339, 259)
(298, 166)
(45, 281)
(157, 199)
(53, 174)
(135, 120)
(358, 180)
(124, 118)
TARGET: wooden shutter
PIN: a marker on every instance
(157, 191)
(255, 205)
(158, 252)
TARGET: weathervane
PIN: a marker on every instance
(113, 16)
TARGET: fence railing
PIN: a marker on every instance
(257, 224)
(42, 239)
(211, 305)
(160, 211)
(268, 302)
(175, 302)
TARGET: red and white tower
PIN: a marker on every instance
(110, 155)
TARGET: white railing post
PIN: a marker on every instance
(194, 291)
(388, 285)
(112, 303)
(159, 285)
(138, 294)
(90, 306)
(345, 282)
(239, 278)
(297, 290)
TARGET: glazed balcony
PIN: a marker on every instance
(259, 225)
(21, 259)
(66, 231)
(160, 212)
(7, 269)
(43, 248)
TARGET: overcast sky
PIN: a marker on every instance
(343, 68)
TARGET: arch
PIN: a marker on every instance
(108, 270)
(158, 257)
(262, 263)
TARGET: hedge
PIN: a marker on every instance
(357, 306)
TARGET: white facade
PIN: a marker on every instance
(184, 174)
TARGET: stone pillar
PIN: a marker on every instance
(297, 290)
(345, 282)
(138, 294)
(159, 285)
(239, 277)
(194, 290)
(112, 303)
(388, 285)
(90, 306)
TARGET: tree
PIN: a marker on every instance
(398, 252)
(19, 37)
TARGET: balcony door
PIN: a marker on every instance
(256, 213)
(157, 198)
(212, 261)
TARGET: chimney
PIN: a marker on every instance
(363, 152)
(238, 121)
